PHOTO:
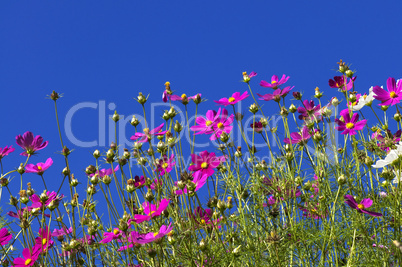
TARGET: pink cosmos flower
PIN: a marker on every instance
(391, 96)
(139, 181)
(183, 98)
(278, 93)
(62, 232)
(234, 99)
(165, 96)
(51, 196)
(5, 151)
(204, 125)
(309, 111)
(44, 240)
(147, 135)
(103, 172)
(165, 165)
(199, 180)
(205, 163)
(30, 144)
(297, 138)
(39, 168)
(222, 124)
(361, 208)
(350, 125)
(155, 184)
(5, 236)
(339, 82)
(275, 82)
(29, 257)
(138, 238)
(151, 211)
(203, 217)
(109, 237)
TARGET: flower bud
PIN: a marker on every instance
(126, 154)
(292, 108)
(149, 195)
(96, 154)
(349, 73)
(253, 108)
(65, 171)
(197, 99)
(334, 101)
(141, 99)
(284, 112)
(202, 245)
(236, 251)
(166, 116)
(74, 182)
(397, 116)
(4, 181)
(224, 137)
(238, 154)
(238, 116)
(115, 117)
(178, 127)
(91, 190)
(221, 205)
(297, 95)
(21, 169)
(91, 169)
(352, 98)
(341, 180)
(172, 112)
(384, 108)
(134, 121)
(13, 201)
(94, 179)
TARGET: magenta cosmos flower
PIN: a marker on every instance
(165, 165)
(5, 151)
(30, 143)
(203, 217)
(257, 127)
(278, 93)
(235, 98)
(391, 96)
(205, 124)
(275, 82)
(183, 98)
(350, 125)
(147, 135)
(138, 238)
(199, 181)
(110, 236)
(297, 138)
(151, 211)
(5, 236)
(222, 125)
(29, 258)
(362, 206)
(50, 196)
(309, 111)
(139, 181)
(103, 172)
(44, 240)
(339, 82)
(205, 163)
(247, 77)
(62, 232)
(39, 168)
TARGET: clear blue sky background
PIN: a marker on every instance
(111, 50)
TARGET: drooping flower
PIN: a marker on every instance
(183, 98)
(204, 125)
(151, 211)
(247, 77)
(165, 164)
(310, 111)
(44, 240)
(350, 125)
(103, 172)
(222, 125)
(30, 143)
(205, 162)
(234, 99)
(5, 236)
(391, 96)
(29, 258)
(257, 127)
(62, 232)
(5, 151)
(393, 155)
(39, 168)
(275, 82)
(362, 206)
(297, 138)
(340, 82)
(277, 95)
(110, 236)
(147, 135)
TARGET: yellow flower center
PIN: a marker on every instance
(202, 221)
(116, 231)
(152, 212)
(313, 211)
(44, 240)
(274, 82)
(364, 96)
(183, 96)
(167, 83)
(244, 73)
(220, 125)
(28, 261)
(360, 206)
(146, 130)
(392, 94)
(165, 165)
(155, 234)
(350, 125)
(39, 168)
(207, 123)
(231, 99)
(204, 165)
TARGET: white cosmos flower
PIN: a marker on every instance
(391, 157)
(398, 177)
(364, 99)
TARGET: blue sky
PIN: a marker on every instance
(110, 50)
